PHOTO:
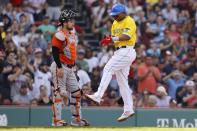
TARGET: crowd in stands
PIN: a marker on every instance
(164, 74)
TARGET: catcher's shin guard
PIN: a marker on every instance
(57, 112)
(75, 105)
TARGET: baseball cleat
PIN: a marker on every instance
(60, 123)
(94, 98)
(83, 122)
(125, 116)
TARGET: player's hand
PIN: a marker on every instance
(106, 40)
(60, 72)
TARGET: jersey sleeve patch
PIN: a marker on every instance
(126, 30)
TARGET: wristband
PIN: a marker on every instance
(115, 38)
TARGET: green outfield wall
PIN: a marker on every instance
(101, 116)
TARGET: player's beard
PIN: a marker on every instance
(69, 28)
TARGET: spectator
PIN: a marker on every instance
(7, 22)
(148, 76)
(2, 60)
(186, 95)
(34, 103)
(162, 99)
(24, 22)
(32, 33)
(8, 10)
(154, 50)
(36, 7)
(2, 36)
(194, 78)
(81, 60)
(84, 79)
(7, 70)
(183, 16)
(143, 101)
(3, 4)
(16, 79)
(180, 47)
(47, 28)
(166, 44)
(15, 28)
(169, 64)
(25, 65)
(91, 59)
(54, 8)
(160, 27)
(38, 57)
(43, 98)
(103, 30)
(99, 13)
(31, 86)
(30, 54)
(152, 101)
(174, 81)
(39, 40)
(4, 86)
(190, 65)
(133, 7)
(173, 33)
(42, 77)
(173, 103)
(19, 39)
(95, 78)
(170, 13)
(13, 74)
(161, 4)
(22, 98)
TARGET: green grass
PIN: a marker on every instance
(94, 129)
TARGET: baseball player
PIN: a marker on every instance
(123, 33)
(64, 79)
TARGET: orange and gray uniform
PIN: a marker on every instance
(64, 54)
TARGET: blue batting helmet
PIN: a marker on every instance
(117, 9)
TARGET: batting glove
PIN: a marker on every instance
(106, 40)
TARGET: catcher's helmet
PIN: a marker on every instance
(117, 9)
(67, 15)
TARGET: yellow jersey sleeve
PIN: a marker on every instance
(127, 27)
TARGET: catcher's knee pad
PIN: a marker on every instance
(63, 93)
(75, 104)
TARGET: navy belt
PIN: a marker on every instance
(69, 66)
(117, 48)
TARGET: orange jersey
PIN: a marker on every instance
(66, 42)
(149, 83)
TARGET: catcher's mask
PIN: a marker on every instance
(67, 15)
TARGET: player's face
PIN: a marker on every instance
(70, 24)
(119, 17)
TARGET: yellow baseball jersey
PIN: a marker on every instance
(126, 26)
